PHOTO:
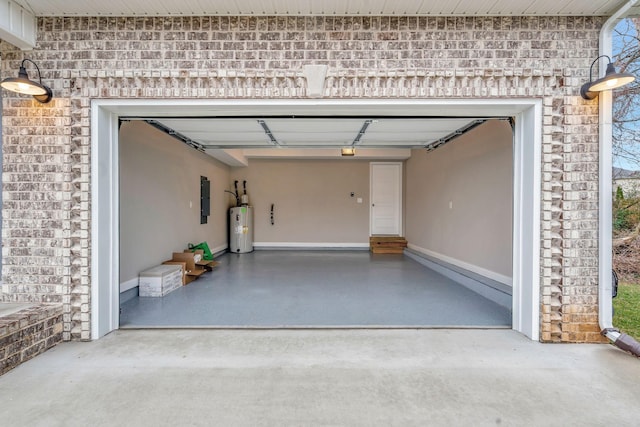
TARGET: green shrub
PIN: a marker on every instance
(621, 220)
(626, 212)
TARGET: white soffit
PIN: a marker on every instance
(322, 7)
(17, 25)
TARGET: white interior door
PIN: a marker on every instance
(386, 198)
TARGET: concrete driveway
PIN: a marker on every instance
(322, 378)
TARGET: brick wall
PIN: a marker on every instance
(46, 148)
(27, 333)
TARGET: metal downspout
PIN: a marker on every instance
(605, 311)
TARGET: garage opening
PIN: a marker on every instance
(461, 214)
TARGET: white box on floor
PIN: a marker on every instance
(160, 280)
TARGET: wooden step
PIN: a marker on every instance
(387, 239)
(398, 243)
(387, 244)
(383, 250)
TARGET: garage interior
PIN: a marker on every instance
(312, 220)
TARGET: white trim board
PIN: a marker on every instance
(105, 197)
(527, 201)
(506, 280)
(330, 107)
(105, 249)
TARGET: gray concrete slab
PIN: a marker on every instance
(322, 378)
(317, 288)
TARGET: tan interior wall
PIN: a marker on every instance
(311, 197)
(459, 198)
(159, 177)
(160, 198)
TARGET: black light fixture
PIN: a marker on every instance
(22, 84)
(611, 80)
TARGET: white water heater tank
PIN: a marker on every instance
(241, 229)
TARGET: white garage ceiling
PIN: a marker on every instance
(230, 131)
(308, 132)
(320, 7)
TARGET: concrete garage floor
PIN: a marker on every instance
(317, 288)
(322, 378)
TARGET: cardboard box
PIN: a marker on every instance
(198, 255)
(191, 270)
(160, 280)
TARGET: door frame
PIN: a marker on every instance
(528, 114)
(400, 199)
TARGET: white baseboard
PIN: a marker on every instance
(218, 249)
(470, 267)
(309, 245)
(129, 284)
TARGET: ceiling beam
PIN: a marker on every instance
(232, 157)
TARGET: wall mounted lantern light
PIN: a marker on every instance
(348, 152)
(22, 84)
(611, 80)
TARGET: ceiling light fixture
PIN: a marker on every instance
(611, 80)
(348, 152)
(22, 84)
